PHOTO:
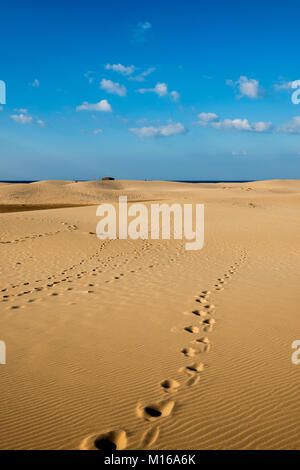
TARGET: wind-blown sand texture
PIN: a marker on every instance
(142, 344)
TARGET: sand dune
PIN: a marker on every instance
(140, 344)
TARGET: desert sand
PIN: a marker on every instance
(140, 342)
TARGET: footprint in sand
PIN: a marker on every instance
(200, 313)
(155, 411)
(204, 344)
(209, 307)
(189, 352)
(205, 292)
(170, 385)
(203, 296)
(203, 340)
(195, 368)
(194, 312)
(208, 324)
(108, 441)
(192, 329)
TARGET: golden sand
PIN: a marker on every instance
(107, 343)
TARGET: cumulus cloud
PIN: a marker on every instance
(247, 87)
(208, 117)
(161, 89)
(124, 70)
(291, 127)
(21, 118)
(102, 105)
(113, 87)
(213, 120)
(261, 126)
(160, 131)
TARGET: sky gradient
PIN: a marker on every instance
(149, 90)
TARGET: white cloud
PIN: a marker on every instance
(102, 105)
(113, 87)
(238, 124)
(261, 126)
(160, 131)
(208, 117)
(22, 118)
(35, 83)
(247, 87)
(97, 131)
(283, 86)
(291, 127)
(129, 70)
(287, 85)
(121, 68)
(141, 76)
(213, 120)
(175, 95)
(161, 89)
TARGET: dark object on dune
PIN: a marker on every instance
(108, 178)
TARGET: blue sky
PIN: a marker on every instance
(156, 90)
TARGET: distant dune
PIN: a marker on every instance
(93, 192)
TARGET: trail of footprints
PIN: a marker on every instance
(118, 439)
(70, 228)
(10, 293)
